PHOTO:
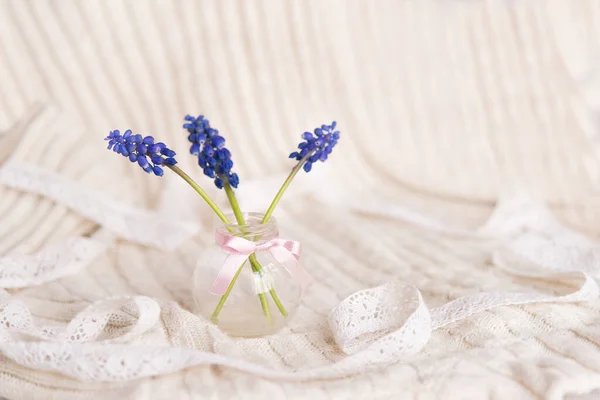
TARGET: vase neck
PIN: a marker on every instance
(252, 229)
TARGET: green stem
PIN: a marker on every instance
(283, 188)
(215, 315)
(265, 306)
(224, 219)
(256, 267)
(201, 192)
(278, 302)
(253, 261)
(237, 211)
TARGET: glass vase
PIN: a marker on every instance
(261, 294)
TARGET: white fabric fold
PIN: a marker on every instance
(134, 224)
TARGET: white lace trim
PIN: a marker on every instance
(52, 262)
(374, 327)
(140, 312)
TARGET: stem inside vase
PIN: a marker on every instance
(255, 265)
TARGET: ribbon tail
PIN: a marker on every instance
(227, 272)
(296, 270)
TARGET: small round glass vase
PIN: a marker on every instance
(261, 299)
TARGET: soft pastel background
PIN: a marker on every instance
(444, 106)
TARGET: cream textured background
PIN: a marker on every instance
(443, 105)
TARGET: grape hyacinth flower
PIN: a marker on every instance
(317, 146)
(209, 147)
(150, 156)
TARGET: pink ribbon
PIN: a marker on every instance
(287, 252)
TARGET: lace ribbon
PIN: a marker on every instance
(374, 327)
(53, 262)
(140, 312)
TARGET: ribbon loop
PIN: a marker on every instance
(287, 252)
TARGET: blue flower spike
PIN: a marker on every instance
(209, 147)
(317, 146)
(150, 156)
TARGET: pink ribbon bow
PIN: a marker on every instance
(287, 252)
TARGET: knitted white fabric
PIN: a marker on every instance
(443, 106)
(374, 327)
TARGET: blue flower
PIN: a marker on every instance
(317, 146)
(209, 147)
(150, 156)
